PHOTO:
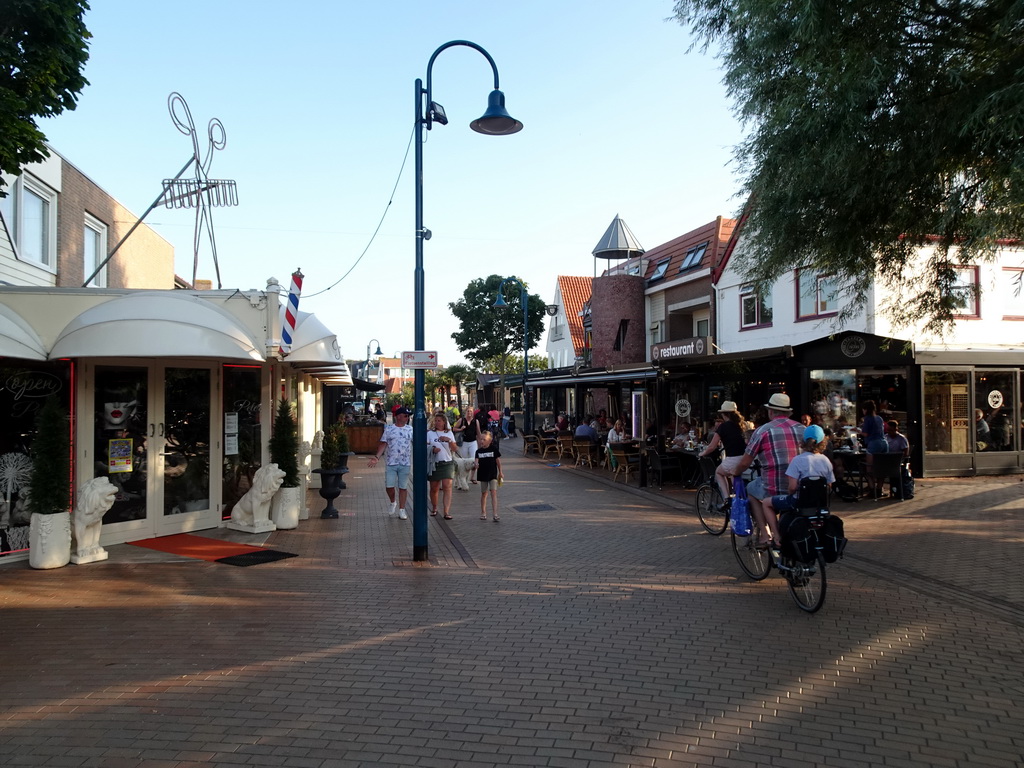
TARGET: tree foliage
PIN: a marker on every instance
(43, 49)
(510, 366)
(875, 128)
(284, 444)
(486, 332)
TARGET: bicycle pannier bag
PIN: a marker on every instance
(833, 542)
(799, 540)
(739, 514)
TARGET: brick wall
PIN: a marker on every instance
(616, 298)
(146, 260)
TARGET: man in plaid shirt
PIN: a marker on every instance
(774, 444)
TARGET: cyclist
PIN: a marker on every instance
(728, 435)
(774, 445)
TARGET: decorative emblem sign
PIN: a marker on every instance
(853, 346)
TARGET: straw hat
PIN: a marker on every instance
(779, 402)
(728, 407)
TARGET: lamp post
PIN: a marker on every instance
(494, 122)
(378, 353)
(524, 299)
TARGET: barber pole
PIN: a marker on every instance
(291, 310)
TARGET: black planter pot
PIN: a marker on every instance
(332, 483)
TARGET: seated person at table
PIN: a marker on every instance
(562, 425)
(682, 437)
(651, 433)
(617, 434)
(809, 463)
(897, 443)
(728, 435)
(586, 432)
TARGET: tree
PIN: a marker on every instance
(43, 50)
(509, 365)
(460, 373)
(877, 128)
(486, 332)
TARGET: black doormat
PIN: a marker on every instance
(255, 558)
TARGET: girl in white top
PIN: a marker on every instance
(441, 441)
(617, 434)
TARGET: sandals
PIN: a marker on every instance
(433, 513)
(497, 519)
(483, 517)
(447, 517)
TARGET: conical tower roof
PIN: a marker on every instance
(618, 242)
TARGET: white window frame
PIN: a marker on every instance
(823, 292)
(762, 303)
(16, 205)
(93, 227)
(970, 286)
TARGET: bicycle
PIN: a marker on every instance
(711, 508)
(754, 558)
(801, 562)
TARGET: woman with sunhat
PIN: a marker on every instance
(729, 435)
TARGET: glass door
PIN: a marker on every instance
(152, 438)
(184, 433)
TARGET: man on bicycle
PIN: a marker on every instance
(774, 445)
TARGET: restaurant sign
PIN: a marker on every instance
(697, 346)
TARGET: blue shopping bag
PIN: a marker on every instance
(739, 514)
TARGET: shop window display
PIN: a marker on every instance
(993, 411)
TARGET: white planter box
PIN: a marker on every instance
(49, 540)
(285, 508)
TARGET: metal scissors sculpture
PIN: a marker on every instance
(200, 192)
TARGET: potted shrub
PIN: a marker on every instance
(284, 451)
(50, 489)
(333, 466)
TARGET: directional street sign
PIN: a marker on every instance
(419, 359)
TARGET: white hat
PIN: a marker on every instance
(778, 402)
(728, 407)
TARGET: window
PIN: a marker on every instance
(620, 337)
(659, 271)
(816, 294)
(30, 211)
(693, 257)
(963, 292)
(94, 234)
(1013, 293)
(702, 327)
(755, 307)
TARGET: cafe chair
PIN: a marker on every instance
(664, 466)
(623, 462)
(531, 443)
(550, 445)
(584, 450)
(883, 467)
(565, 445)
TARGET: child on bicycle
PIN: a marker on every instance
(810, 462)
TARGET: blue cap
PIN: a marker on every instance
(815, 433)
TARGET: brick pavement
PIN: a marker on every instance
(594, 626)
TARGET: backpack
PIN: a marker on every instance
(831, 538)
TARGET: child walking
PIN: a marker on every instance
(488, 471)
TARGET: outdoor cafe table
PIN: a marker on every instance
(688, 463)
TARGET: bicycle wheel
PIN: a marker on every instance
(807, 583)
(756, 563)
(709, 509)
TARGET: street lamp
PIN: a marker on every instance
(524, 299)
(378, 353)
(494, 122)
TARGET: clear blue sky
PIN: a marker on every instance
(317, 101)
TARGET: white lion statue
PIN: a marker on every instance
(94, 499)
(251, 513)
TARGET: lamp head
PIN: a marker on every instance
(377, 352)
(496, 121)
(500, 303)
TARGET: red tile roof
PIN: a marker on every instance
(716, 234)
(575, 293)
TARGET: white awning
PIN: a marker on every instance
(17, 339)
(328, 374)
(313, 342)
(157, 324)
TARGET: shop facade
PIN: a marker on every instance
(171, 396)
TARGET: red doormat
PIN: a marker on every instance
(212, 550)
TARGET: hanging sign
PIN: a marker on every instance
(419, 359)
